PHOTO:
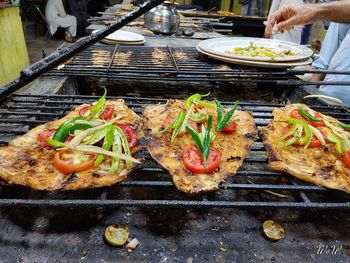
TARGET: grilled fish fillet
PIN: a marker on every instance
(25, 162)
(234, 147)
(321, 166)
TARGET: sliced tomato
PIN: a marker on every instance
(83, 110)
(230, 128)
(168, 120)
(296, 115)
(346, 159)
(70, 162)
(130, 134)
(68, 138)
(193, 161)
(46, 135)
(106, 115)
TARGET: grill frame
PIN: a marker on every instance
(141, 66)
(38, 109)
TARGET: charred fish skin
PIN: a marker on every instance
(234, 148)
(321, 166)
(24, 161)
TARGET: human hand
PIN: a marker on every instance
(290, 15)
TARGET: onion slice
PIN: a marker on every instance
(330, 98)
(95, 149)
(318, 134)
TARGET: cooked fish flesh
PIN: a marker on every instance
(26, 162)
(234, 148)
(321, 166)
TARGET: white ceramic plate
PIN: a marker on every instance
(219, 46)
(124, 36)
(112, 42)
(259, 64)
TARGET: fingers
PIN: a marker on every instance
(277, 16)
(269, 25)
(288, 24)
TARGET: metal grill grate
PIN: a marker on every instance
(162, 63)
(151, 185)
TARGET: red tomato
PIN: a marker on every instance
(46, 135)
(296, 115)
(346, 159)
(230, 128)
(68, 138)
(83, 110)
(192, 159)
(130, 134)
(106, 115)
(67, 163)
(168, 120)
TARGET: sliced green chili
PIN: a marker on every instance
(55, 143)
(177, 125)
(344, 125)
(107, 144)
(307, 116)
(125, 144)
(100, 106)
(206, 141)
(191, 99)
(68, 127)
(199, 117)
(223, 121)
(116, 148)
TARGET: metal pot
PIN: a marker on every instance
(162, 19)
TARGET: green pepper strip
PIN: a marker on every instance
(107, 144)
(55, 143)
(344, 126)
(199, 117)
(67, 127)
(196, 137)
(125, 144)
(222, 122)
(177, 125)
(291, 141)
(204, 147)
(191, 99)
(205, 104)
(307, 116)
(290, 132)
(99, 107)
(308, 132)
(97, 136)
(339, 142)
(206, 142)
(117, 148)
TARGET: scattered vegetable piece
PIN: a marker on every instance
(333, 99)
(273, 230)
(116, 235)
(132, 244)
(223, 121)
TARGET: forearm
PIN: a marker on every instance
(338, 11)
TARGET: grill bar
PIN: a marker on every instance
(19, 113)
(176, 64)
(168, 203)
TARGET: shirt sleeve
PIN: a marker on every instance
(60, 8)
